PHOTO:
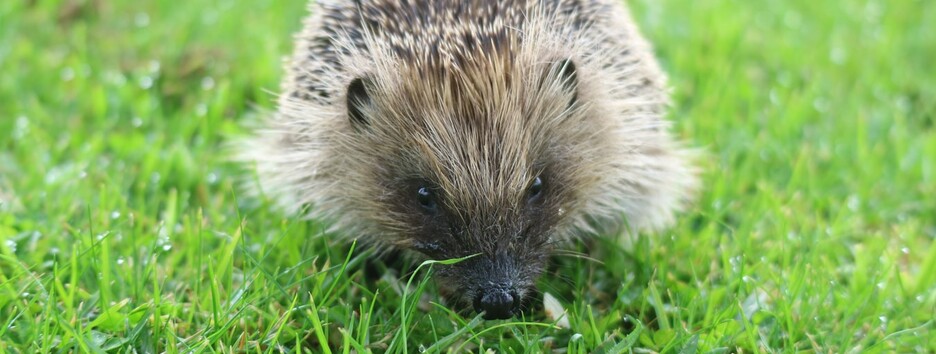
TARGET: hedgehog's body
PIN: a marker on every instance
(453, 128)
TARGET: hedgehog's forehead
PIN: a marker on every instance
(472, 133)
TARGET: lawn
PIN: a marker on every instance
(122, 228)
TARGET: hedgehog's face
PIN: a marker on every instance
(510, 244)
(469, 174)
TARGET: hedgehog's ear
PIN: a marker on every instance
(358, 99)
(566, 75)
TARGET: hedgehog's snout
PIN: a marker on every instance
(498, 294)
(497, 301)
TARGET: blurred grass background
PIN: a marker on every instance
(121, 229)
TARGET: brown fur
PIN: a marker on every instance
(474, 100)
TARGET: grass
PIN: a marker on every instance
(121, 229)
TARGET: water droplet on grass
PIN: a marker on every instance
(872, 12)
(154, 66)
(115, 78)
(838, 55)
(115, 215)
(146, 82)
(201, 110)
(68, 74)
(141, 19)
(774, 97)
(735, 263)
(207, 83)
(903, 104)
(21, 127)
(853, 202)
(792, 20)
(821, 105)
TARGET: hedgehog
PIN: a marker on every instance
(494, 130)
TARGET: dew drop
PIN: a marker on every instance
(67, 74)
(141, 19)
(872, 12)
(821, 104)
(21, 127)
(115, 78)
(735, 263)
(853, 202)
(792, 20)
(838, 55)
(115, 215)
(201, 110)
(154, 66)
(207, 83)
(146, 82)
(903, 104)
(11, 245)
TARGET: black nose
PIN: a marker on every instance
(497, 303)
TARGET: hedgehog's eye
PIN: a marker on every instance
(426, 198)
(536, 188)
